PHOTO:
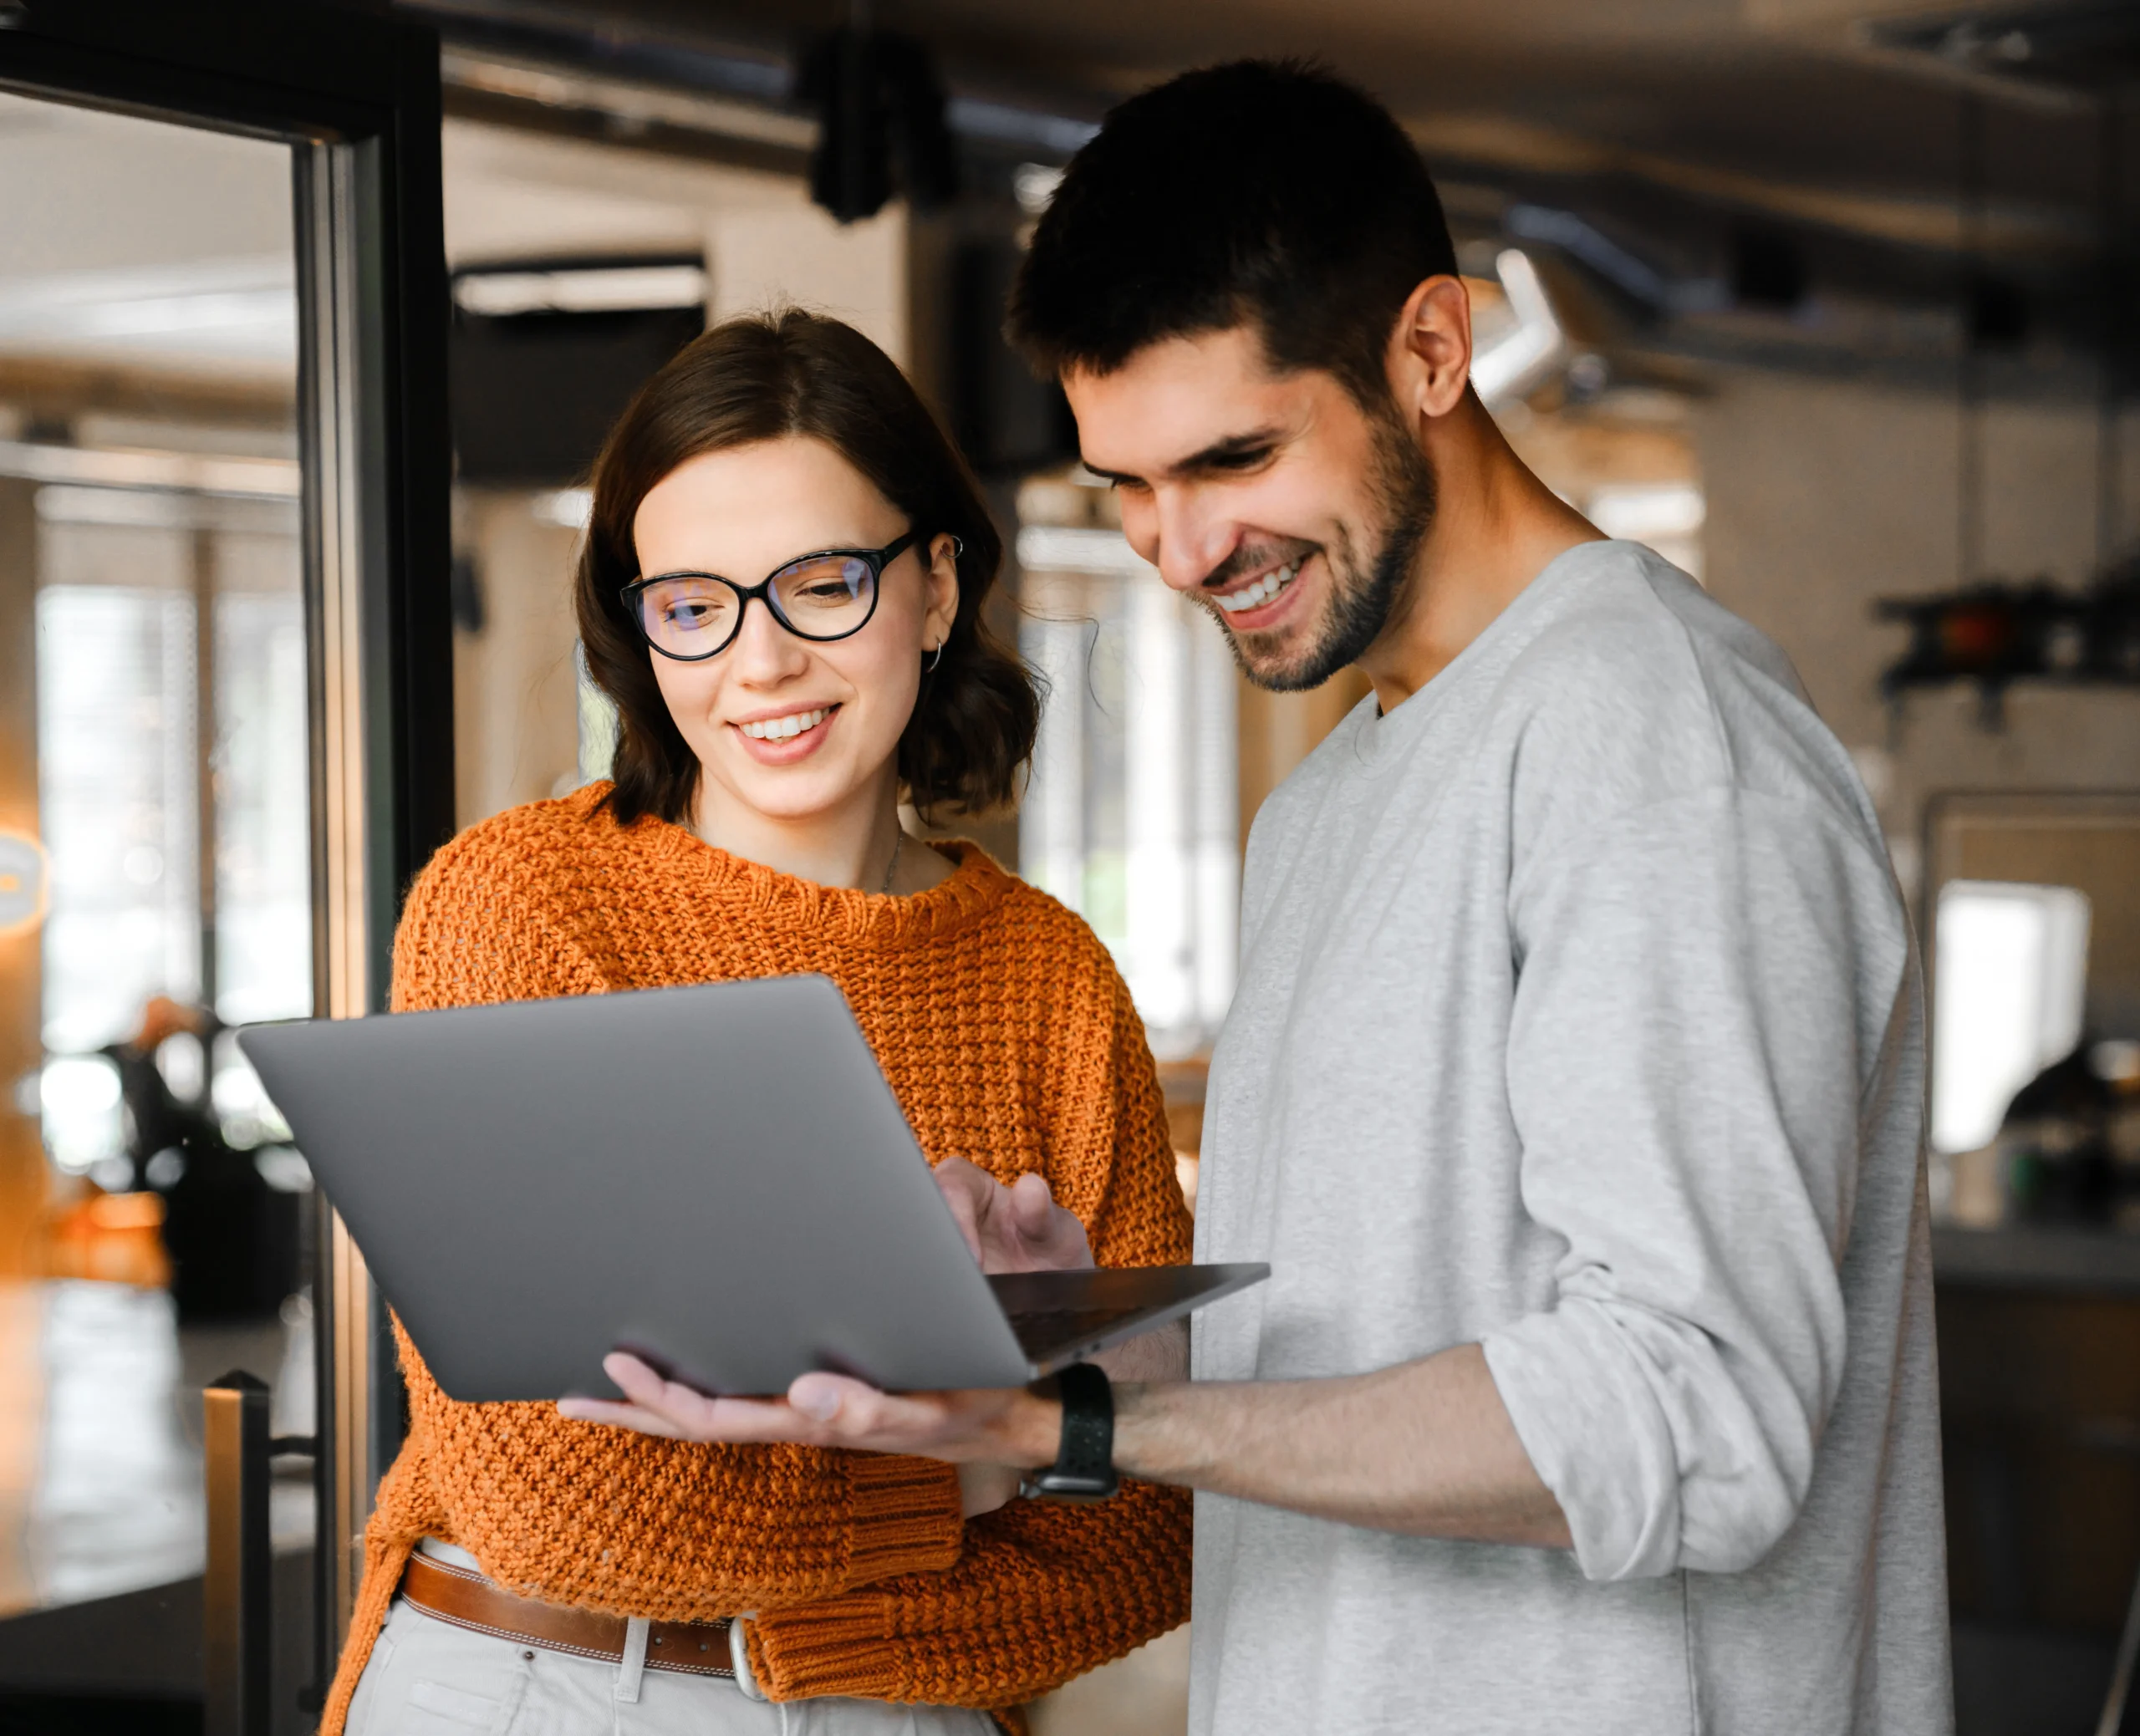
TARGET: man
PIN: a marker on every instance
(1573, 1088)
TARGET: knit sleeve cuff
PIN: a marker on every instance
(850, 1647)
(907, 1516)
(843, 1646)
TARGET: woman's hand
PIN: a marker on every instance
(1018, 1228)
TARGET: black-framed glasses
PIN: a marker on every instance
(827, 595)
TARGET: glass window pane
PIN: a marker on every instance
(154, 766)
(1131, 815)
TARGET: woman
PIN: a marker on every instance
(781, 590)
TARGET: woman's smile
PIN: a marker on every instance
(785, 737)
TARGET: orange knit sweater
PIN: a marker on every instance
(1009, 1039)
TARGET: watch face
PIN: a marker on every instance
(1053, 1484)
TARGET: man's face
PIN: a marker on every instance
(1274, 500)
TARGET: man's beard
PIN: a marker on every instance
(1364, 592)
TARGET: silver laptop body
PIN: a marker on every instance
(715, 1177)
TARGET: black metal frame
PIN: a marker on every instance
(301, 73)
(876, 559)
(354, 92)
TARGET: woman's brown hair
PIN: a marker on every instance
(767, 377)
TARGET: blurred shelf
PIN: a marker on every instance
(2039, 1257)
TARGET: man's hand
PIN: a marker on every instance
(1007, 1229)
(1007, 1427)
(1018, 1228)
(1424, 1449)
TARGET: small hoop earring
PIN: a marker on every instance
(936, 659)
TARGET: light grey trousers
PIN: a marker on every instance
(428, 1678)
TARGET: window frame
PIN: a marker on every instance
(355, 94)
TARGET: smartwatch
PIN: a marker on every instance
(1084, 1463)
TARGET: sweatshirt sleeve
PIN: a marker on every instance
(1687, 1055)
(1041, 1592)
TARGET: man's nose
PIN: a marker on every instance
(1180, 533)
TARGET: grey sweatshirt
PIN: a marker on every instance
(1578, 1016)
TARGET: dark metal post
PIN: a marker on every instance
(237, 1593)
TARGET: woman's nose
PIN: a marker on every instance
(765, 652)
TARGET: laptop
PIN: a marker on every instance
(715, 1177)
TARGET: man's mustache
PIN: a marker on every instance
(1242, 561)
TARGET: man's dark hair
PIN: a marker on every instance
(771, 376)
(1271, 193)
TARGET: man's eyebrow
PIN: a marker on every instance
(1220, 455)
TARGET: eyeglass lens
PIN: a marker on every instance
(824, 596)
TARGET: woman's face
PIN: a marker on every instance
(740, 514)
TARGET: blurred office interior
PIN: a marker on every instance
(1832, 302)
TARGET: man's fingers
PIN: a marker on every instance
(691, 1415)
(637, 1381)
(819, 1410)
(833, 1398)
(850, 1412)
(655, 1406)
(615, 1415)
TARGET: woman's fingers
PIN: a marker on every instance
(1053, 1237)
(1018, 1228)
(967, 1190)
(1032, 1206)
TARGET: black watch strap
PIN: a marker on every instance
(1084, 1464)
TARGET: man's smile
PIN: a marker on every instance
(1257, 598)
(1258, 590)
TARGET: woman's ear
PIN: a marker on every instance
(943, 591)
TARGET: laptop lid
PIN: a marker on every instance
(717, 1176)
(1059, 1316)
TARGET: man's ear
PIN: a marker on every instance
(1430, 358)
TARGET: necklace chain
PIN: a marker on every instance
(898, 839)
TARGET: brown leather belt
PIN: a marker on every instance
(468, 1600)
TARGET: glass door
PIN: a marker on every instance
(225, 747)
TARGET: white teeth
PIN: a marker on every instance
(1262, 591)
(779, 728)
